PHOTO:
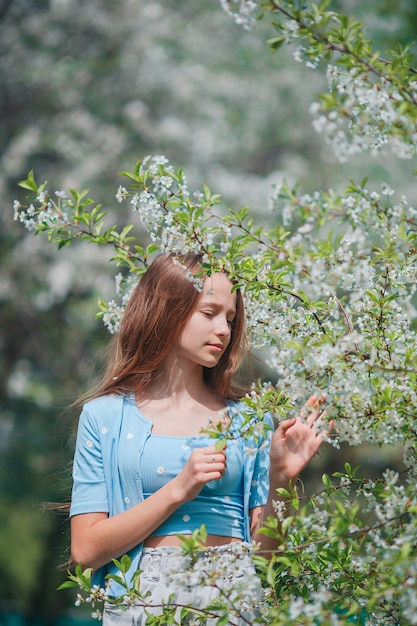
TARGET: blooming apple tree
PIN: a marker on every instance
(330, 299)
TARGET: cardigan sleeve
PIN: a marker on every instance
(89, 491)
(259, 488)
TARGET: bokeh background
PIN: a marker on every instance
(86, 90)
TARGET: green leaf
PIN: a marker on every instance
(326, 480)
(277, 42)
(29, 183)
(67, 584)
(117, 579)
(123, 564)
(220, 444)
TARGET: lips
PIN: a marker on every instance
(216, 346)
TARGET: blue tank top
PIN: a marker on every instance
(219, 505)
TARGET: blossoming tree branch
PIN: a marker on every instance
(330, 296)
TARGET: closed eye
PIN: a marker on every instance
(212, 314)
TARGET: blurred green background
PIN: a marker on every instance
(86, 90)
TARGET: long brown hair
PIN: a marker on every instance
(158, 309)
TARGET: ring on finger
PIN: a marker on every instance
(213, 458)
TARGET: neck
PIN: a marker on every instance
(179, 402)
(177, 381)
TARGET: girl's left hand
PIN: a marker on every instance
(295, 442)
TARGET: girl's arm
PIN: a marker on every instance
(293, 445)
(97, 538)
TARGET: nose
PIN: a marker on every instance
(223, 327)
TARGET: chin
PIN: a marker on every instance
(212, 364)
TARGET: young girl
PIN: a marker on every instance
(144, 472)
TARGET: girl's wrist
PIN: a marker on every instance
(177, 493)
(281, 479)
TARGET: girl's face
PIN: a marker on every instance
(207, 332)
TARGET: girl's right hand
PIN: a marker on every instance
(203, 465)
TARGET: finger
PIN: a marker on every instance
(329, 429)
(314, 417)
(318, 412)
(316, 401)
(215, 466)
(286, 425)
(324, 434)
(312, 401)
(216, 458)
(312, 405)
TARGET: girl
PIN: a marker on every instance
(143, 470)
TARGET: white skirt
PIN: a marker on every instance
(202, 587)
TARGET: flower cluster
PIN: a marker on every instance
(97, 595)
(242, 11)
(48, 214)
(164, 197)
(221, 569)
(368, 106)
(364, 116)
(333, 548)
(348, 341)
(112, 311)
